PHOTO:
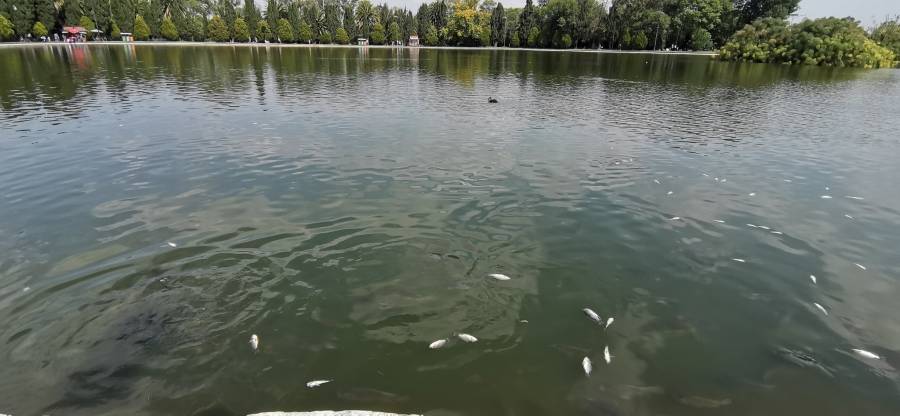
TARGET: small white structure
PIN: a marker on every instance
(126, 37)
(413, 40)
(362, 41)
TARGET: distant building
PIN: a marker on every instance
(127, 37)
(414, 41)
(362, 41)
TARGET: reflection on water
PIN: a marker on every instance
(346, 205)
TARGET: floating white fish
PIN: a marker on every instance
(498, 276)
(813, 278)
(437, 344)
(675, 218)
(609, 322)
(171, 244)
(317, 383)
(724, 180)
(776, 232)
(254, 342)
(719, 221)
(717, 179)
(751, 225)
(821, 308)
(860, 266)
(706, 174)
(764, 227)
(752, 194)
(524, 321)
(26, 288)
(587, 366)
(827, 188)
(848, 216)
(740, 260)
(855, 197)
(669, 193)
(826, 196)
(591, 314)
(788, 180)
(606, 356)
(656, 180)
(863, 353)
(467, 338)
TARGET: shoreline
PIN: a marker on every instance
(316, 45)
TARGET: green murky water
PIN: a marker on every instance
(347, 204)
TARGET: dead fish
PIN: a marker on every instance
(752, 226)
(848, 216)
(719, 221)
(317, 383)
(675, 218)
(587, 366)
(171, 244)
(827, 188)
(724, 180)
(860, 266)
(254, 342)
(855, 197)
(752, 194)
(704, 402)
(776, 232)
(656, 180)
(498, 276)
(609, 322)
(813, 278)
(669, 193)
(591, 314)
(740, 260)
(866, 354)
(606, 356)
(467, 338)
(826, 196)
(717, 179)
(524, 321)
(437, 344)
(788, 180)
(764, 227)
(821, 308)
(706, 174)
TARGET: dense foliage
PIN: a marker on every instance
(754, 30)
(827, 42)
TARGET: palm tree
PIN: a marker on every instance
(365, 17)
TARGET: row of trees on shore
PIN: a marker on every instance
(752, 30)
(620, 24)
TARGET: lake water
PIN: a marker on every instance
(346, 205)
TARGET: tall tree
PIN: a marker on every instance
(365, 18)
(272, 13)
(750, 10)
(225, 9)
(527, 20)
(45, 12)
(251, 15)
(498, 25)
(22, 17)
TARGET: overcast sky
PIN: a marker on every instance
(867, 11)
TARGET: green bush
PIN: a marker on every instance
(887, 34)
(394, 34)
(168, 29)
(6, 28)
(377, 34)
(305, 34)
(241, 31)
(194, 30)
(325, 38)
(39, 30)
(431, 36)
(566, 41)
(217, 30)
(285, 34)
(701, 40)
(87, 24)
(640, 40)
(827, 42)
(341, 36)
(141, 30)
(263, 33)
(114, 32)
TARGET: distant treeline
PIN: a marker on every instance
(621, 24)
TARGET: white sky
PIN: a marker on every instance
(867, 11)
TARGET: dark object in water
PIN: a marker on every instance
(800, 359)
(492, 100)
